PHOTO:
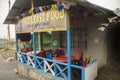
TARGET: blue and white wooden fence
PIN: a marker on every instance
(53, 68)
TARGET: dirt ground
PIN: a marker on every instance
(8, 53)
(8, 69)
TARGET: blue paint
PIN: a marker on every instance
(48, 55)
(61, 72)
(34, 48)
(22, 58)
(77, 66)
(40, 64)
(55, 69)
(83, 74)
(50, 60)
(56, 66)
(69, 53)
(25, 58)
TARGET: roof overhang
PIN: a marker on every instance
(21, 6)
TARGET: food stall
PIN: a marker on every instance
(54, 20)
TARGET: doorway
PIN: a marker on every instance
(113, 42)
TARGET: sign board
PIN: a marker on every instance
(52, 20)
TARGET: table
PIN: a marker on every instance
(63, 58)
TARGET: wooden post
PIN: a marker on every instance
(8, 27)
(68, 46)
(34, 48)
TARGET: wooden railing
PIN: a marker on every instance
(53, 68)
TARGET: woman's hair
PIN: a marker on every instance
(24, 46)
(61, 46)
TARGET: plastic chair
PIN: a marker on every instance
(78, 54)
(78, 57)
(41, 54)
(48, 55)
(78, 61)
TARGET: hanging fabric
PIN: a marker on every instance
(59, 6)
(54, 7)
(48, 7)
(23, 15)
(20, 16)
(66, 5)
(26, 13)
(40, 8)
(31, 10)
(17, 18)
(37, 10)
(44, 8)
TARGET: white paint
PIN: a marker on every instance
(101, 28)
(117, 11)
(109, 4)
(96, 40)
(91, 71)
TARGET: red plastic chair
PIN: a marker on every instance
(78, 54)
(41, 54)
(78, 57)
(78, 61)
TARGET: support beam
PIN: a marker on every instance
(16, 39)
(34, 48)
(16, 42)
(69, 53)
(68, 46)
(8, 28)
(39, 41)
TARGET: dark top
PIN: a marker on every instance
(24, 50)
(59, 52)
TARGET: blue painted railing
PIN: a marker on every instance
(50, 67)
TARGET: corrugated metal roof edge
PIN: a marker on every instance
(84, 3)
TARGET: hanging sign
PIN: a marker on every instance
(52, 20)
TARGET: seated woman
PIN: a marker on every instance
(59, 51)
(30, 49)
(24, 49)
